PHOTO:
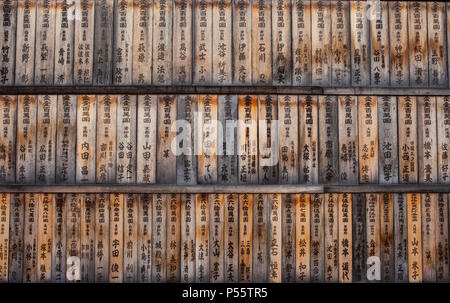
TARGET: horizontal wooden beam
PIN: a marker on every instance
(220, 90)
(226, 189)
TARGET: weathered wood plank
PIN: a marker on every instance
(321, 44)
(188, 220)
(147, 108)
(73, 248)
(301, 42)
(317, 238)
(162, 42)
(173, 239)
(442, 247)
(102, 246)
(368, 139)
(288, 139)
(328, 139)
(359, 42)
(245, 238)
(203, 19)
(248, 139)
(407, 139)
(202, 228)
(8, 123)
(182, 42)
(85, 147)
(159, 238)
(222, 42)
(126, 139)
(418, 46)
(45, 237)
(16, 238)
(281, 42)
(331, 242)
(260, 239)
(165, 157)
(88, 224)
(8, 27)
(103, 51)
(116, 238)
(130, 238)
(275, 238)
(268, 139)
(345, 237)
(398, 38)
(340, 61)
(288, 226)
(227, 152)
(84, 42)
(59, 239)
(303, 237)
(359, 252)
(231, 241)
(142, 41)
(373, 245)
(309, 140)
(242, 42)
(414, 238)
(64, 42)
(387, 140)
(5, 202)
(437, 48)
(145, 243)
(262, 42)
(401, 238)
(106, 139)
(216, 239)
(348, 140)
(379, 44)
(123, 35)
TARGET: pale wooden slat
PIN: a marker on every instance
(348, 140)
(359, 37)
(414, 238)
(16, 238)
(203, 19)
(398, 39)
(59, 239)
(165, 158)
(162, 42)
(288, 225)
(288, 139)
(116, 238)
(368, 139)
(102, 246)
(85, 147)
(45, 237)
(418, 46)
(247, 139)
(46, 139)
(188, 220)
(275, 238)
(345, 238)
(123, 35)
(159, 238)
(388, 140)
(331, 244)
(173, 238)
(245, 245)
(429, 224)
(66, 139)
(328, 139)
(45, 42)
(268, 139)
(379, 44)
(401, 238)
(106, 139)
(317, 238)
(142, 41)
(281, 42)
(301, 42)
(26, 140)
(260, 238)
(126, 139)
(202, 228)
(242, 42)
(147, 107)
(437, 52)
(216, 239)
(340, 61)
(88, 224)
(25, 51)
(222, 42)
(261, 41)
(359, 238)
(407, 139)
(84, 42)
(130, 238)
(145, 243)
(73, 247)
(373, 244)
(231, 229)
(448, 40)
(8, 26)
(302, 238)
(5, 202)
(443, 137)
(64, 42)
(8, 123)
(103, 51)
(321, 42)
(442, 249)
(182, 42)
(309, 140)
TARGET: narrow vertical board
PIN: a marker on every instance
(275, 239)
(187, 262)
(260, 238)
(45, 42)
(309, 140)
(268, 139)
(429, 224)
(103, 51)
(331, 237)
(106, 139)
(303, 238)
(147, 107)
(8, 26)
(123, 36)
(328, 139)
(45, 237)
(231, 235)
(84, 42)
(46, 139)
(359, 36)
(206, 148)
(398, 39)
(8, 123)
(64, 42)
(66, 139)
(288, 139)
(443, 137)
(379, 44)
(26, 140)
(86, 130)
(407, 139)
(130, 238)
(340, 61)
(145, 220)
(437, 48)
(418, 46)
(368, 139)
(222, 42)
(182, 42)
(173, 238)
(102, 212)
(359, 253)
(242, 42)
(281, 42)
(142, 42)
(288, 219)
(227, 156)
(162, 42)
(301, 42)
(5, 202)
(126, 139)
(401, 238)
(245, 238)
(165, 158)
(186, 129)
(414, 238)
(442, 248)
(317, 238)
(321, 42)
(373, 245)
(203, 42)
(88, 224)
(448, 40)
(116, 245)
(248, 139)
(16, 238)
(348, 140)
(73, 248)
(26, 34)
(262, 42)
(345, 237)
(216, 237)
(159, 238)
(59, 239)
(202, 228)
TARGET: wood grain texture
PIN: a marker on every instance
(407, 139)
(162, 42)
(73, 247)
(8, 27)
(16, 238)
(437, 48)
(288, 139)
(317, 238)
(345, 238)
(340, 61)
(261, 241)
(116, 238)
(88, 224)
(242, 42)
(303, 238)
(216, 239)
(59, 236)
(398, 37)
(301, 42)
(359, 41)
(45, 237)
(102, 244)
(348, 140)
(401, 238)
(321, 45)
(202, 229)
(328, 139)
(147, 110)
(415, 273)
(103, 48)
(359, 238)
(227, 159)
(268, 139)
(142, 42)
(64, 42)
(165, 158)
(106, 139)
(373, 244)
(173, 238)
(288, 240)
(222, 55)
(123, 35)
(188, 246)
(145, 244)
(182, 43)
(159, 238)
(5, 202)
(85, 147)
(84, 41)
(275, 238)
(203, 20)
(248, 139)
(418, 47)
(331, 236)
(379, 44)
(281, 42)
(231, 238)
(309, 140)
(245, 238)
(8, 123)
(368, 139)
(262, 42)
(130, 238)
